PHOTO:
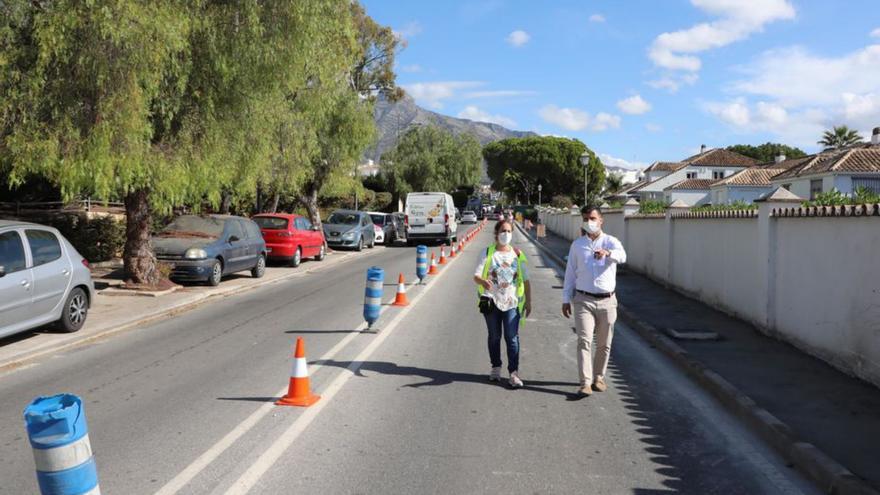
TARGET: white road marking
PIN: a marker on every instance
(197, 466)
(277, 449)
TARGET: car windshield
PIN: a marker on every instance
(340, 218)
(271, 223)
(194, 226)
(378, 219)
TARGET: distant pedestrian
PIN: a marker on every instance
(588, 292)
(502, 279)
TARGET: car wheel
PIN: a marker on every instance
(216, 273)
(76, 308)
(360, 246)
(321, 254)
(297, 258)
(260, 268)
(373, 243)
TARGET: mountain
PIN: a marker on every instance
(393, 120)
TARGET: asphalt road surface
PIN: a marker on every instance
(185, 405)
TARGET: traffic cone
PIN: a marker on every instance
(298, 392)
(452, 251)
(442, 256)
(433, 269)
(400, 299)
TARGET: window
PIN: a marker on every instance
(718, 174)
(365, 220)
(307, 225)
(234, 228)
(11, 252)
(872, 183)
(691, 175)
(815, 188)
(253, 230)
(45, 247)
(271, 223)
(299, 224)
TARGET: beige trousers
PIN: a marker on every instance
(593, 316)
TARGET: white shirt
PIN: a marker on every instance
(502, 274)
(586, 273)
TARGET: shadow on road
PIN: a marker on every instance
(436, 378)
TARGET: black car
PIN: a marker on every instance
(205, 248)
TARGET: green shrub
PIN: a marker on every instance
(735, 206)
(97, 239)
(860, 196)
(648, 207)
(561, 201)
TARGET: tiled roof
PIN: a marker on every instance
(634, 187)
(720, 157)
(692, 184)
(665, 166)
(753, 176)
(852, 160)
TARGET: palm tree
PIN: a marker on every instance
(840, 137)
(613, 183)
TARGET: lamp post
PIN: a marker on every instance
(539, 194)
(585, 161)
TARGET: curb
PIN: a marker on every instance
(827, 474)
(146, 319)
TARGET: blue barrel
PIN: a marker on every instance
(421, 262)
(373, 294)
(59, 437)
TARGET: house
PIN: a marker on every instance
(709, 165)
(751, 183)
(691, 192)
(844, 170)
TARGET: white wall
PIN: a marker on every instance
(813, 282)
(690, 197)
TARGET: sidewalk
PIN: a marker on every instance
(815, 403)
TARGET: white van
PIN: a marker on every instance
(430, 216)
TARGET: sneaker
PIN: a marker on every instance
(495, 374)
(584, 391)
(515, 382)
(599, 384)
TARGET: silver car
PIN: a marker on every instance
(43, 279)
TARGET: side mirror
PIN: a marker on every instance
(2, 271)
(234, 238)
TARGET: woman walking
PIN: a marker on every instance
(502, 280)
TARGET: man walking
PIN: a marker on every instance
(588, 292)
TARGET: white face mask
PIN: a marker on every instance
(591, 227)
(504, 238)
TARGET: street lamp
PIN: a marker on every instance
(585, 161)
(539, 194)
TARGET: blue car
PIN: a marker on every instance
(205, 248)
(349, 228)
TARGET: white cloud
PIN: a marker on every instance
(597, 18)
(613, 161)
(502, 93)
(434, 93)
(800, 127)
(737, 20)
(412, 68)
(472, 112)
(634, 105)
(673, 83)
(411, 29)
(518, 38)
(875, 33)
(573, 119)
(651, 127)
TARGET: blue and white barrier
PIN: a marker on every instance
(373, 295)
(421, 262)
(59, 437)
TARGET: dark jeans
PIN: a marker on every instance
(508, 322)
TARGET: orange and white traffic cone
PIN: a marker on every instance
(442, 257)
(433, 269)
(298, 392)
(452, 251)
(400, 299)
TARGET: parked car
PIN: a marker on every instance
(290, 238)
(349, 228)
(468, 217)
(384, 227)
(43, 279)
(430, 216)
(205, 248)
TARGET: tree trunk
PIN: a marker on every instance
(275, 200)
(225, 202)
(310, 201)
(259, 205)
(138, 258)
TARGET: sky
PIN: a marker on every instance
(645, 80)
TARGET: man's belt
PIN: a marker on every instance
(604, 295)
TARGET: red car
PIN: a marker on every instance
(291, 238)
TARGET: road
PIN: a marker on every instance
(184, 405)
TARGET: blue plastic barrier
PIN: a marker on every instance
(59, 437)
(373, 295)
(421, 262)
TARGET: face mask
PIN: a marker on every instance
(591, 227)
(504, 238)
